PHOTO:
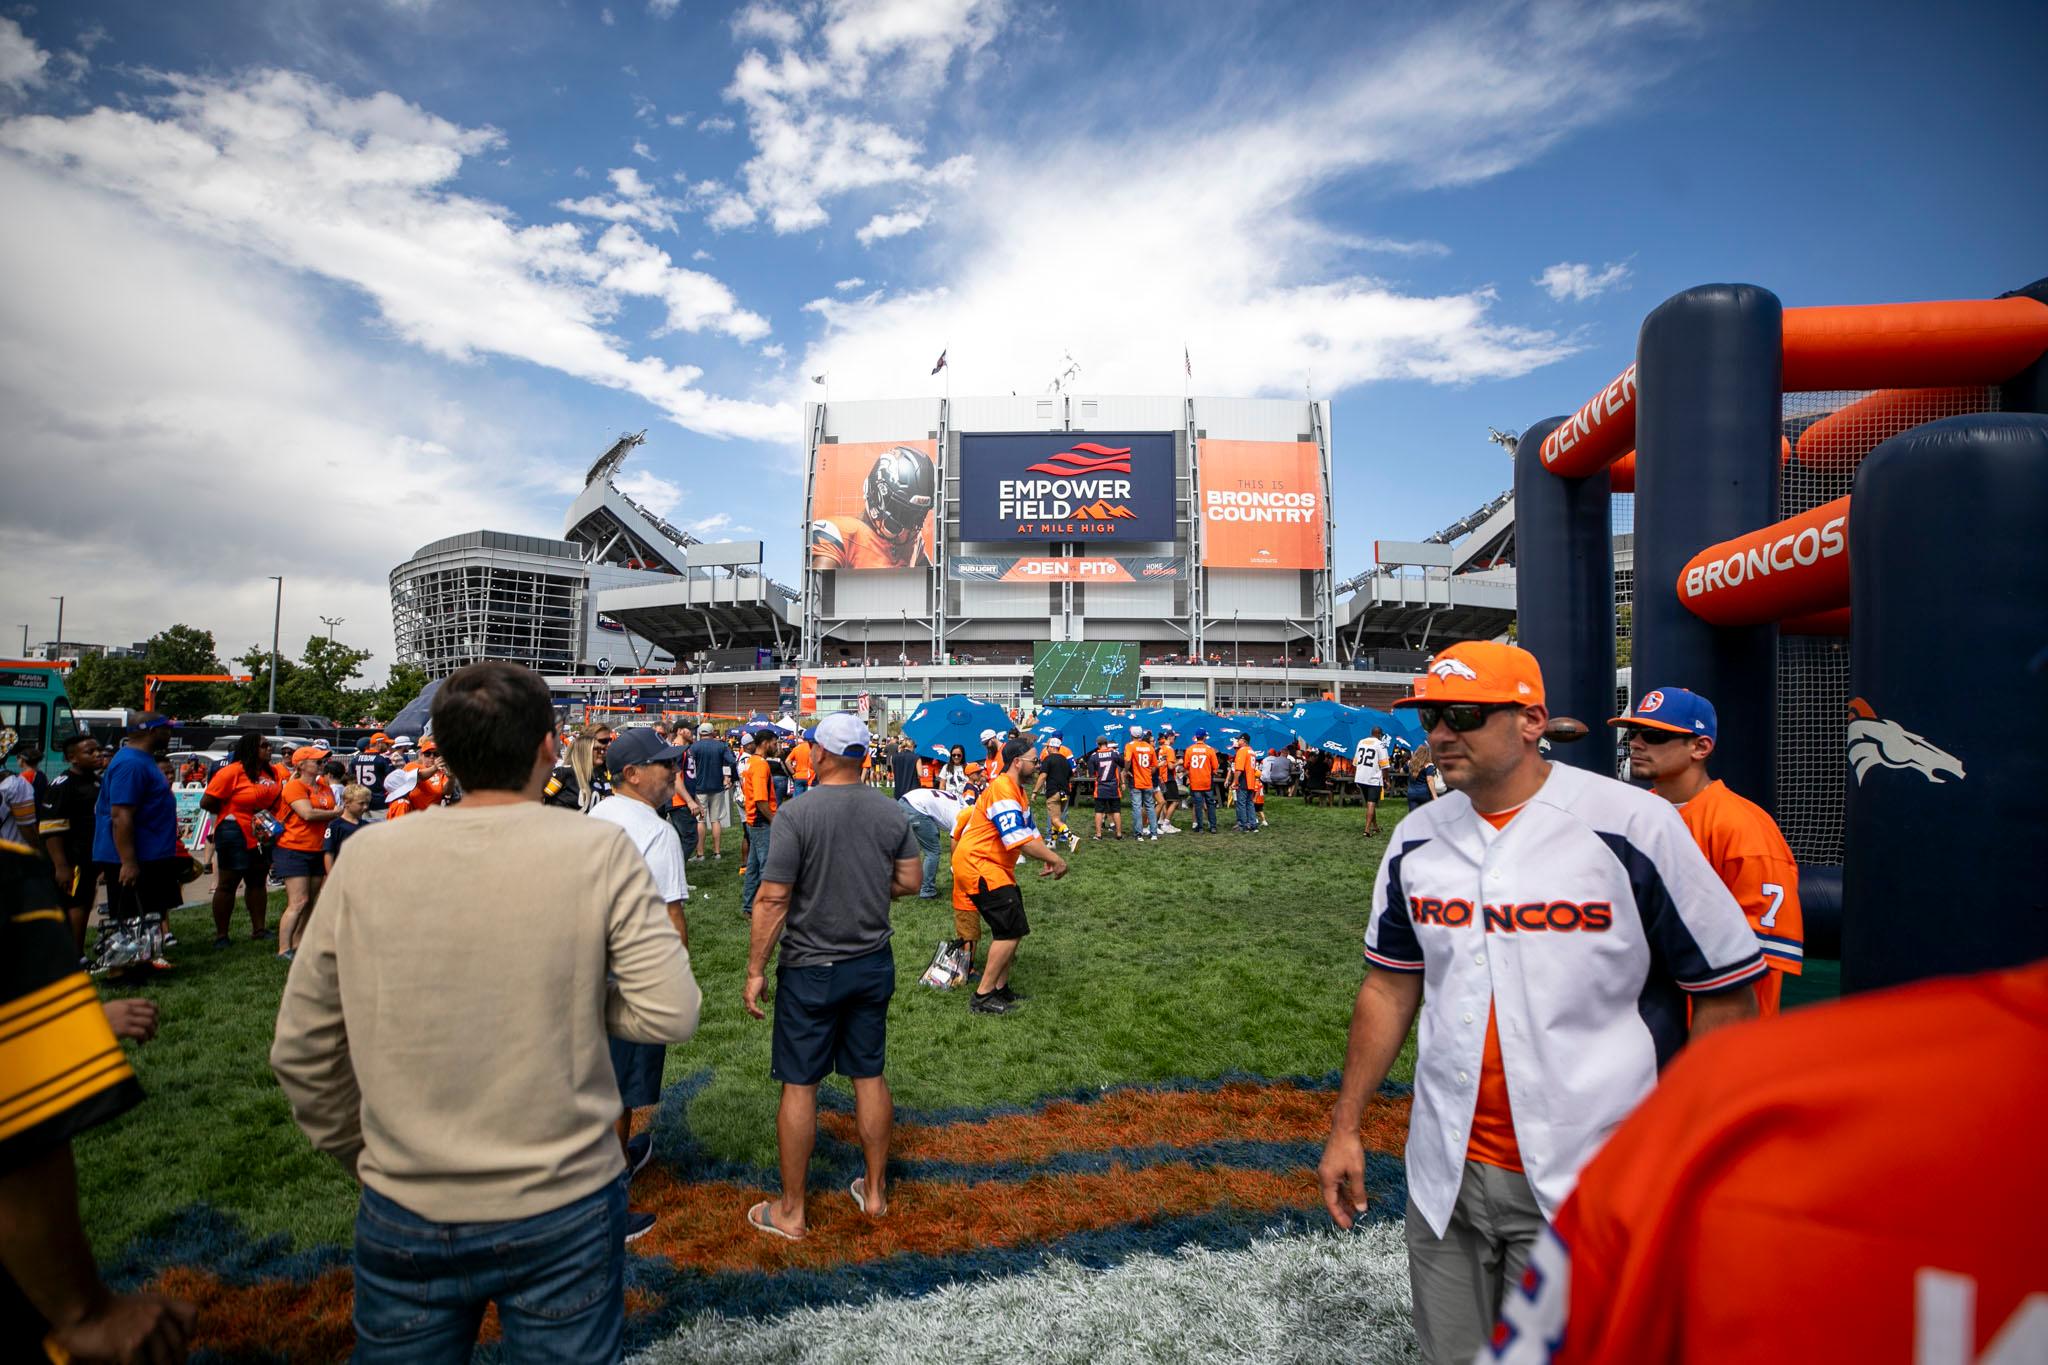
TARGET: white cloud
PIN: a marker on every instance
(700, 254)
(716, 125)
(22, 63)
(809, 108)
(129, 347)
(1395, 246)
(1579, 281)
(644, 152)
(677, 120)
(843, 285)
(605, 16)
(660, 496)
(1202, 227)
(644, 110)
(663, 9)
(902, 220)
(774, 351)
(634, 201)
(294, 172)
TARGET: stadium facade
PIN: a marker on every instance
(946, 538)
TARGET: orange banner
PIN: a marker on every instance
(872, 504)
(1262, 505)
(807, 694)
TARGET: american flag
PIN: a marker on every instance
(942, 363)
(1187, 362)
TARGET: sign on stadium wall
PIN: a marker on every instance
(872, 505)
(1261, 505)
(1101, 486)
(1041, 569)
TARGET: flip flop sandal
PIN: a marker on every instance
(858, 1189)
(761, 1220)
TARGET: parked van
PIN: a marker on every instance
(282, 720)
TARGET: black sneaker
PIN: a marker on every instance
(639, 1151)
(220, 941)
(638, 1225)
(1008, 996)
(992, 1003)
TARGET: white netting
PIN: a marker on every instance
(1830, 433)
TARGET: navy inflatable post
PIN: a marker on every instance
(1946, 744)
(2027, 391)
(1708, 364)
(1564, 593)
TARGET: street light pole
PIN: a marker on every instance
(331, 622)
(58, 647)
(1236, 664)
(276, 620)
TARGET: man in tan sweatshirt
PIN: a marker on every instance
(443, 1035)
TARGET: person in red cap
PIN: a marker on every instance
(1564, 920)
(1671, 735)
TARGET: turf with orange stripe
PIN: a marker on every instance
(1238, 1112)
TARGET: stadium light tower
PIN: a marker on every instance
(331, 622)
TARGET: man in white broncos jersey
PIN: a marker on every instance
(1561, 922)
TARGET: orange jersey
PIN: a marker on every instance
(850, 543)
(800, 769)
(1167, 758)
(1860, 1166)
(1245, 765)
(242, 800)
(1752, 859)
(1201, 765)
(985, 848)
(757, 790)
(928, 772)
(1142, 760)
(300, 834)
(1493, 1118)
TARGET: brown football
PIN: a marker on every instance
(1564, 730)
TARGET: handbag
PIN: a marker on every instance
(267, 829)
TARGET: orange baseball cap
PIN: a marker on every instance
(427, 746)
(306, 751)
(1479, 671)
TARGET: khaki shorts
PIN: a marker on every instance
(717, 807)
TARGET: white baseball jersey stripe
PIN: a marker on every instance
(1581, 925)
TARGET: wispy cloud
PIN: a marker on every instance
(296, 172)
(663, 9)
(1579, 281)
(22, 63)
(894, 224)
(854, 283)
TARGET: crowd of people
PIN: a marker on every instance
(1621, 924)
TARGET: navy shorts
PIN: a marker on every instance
(233, 850)
(638, 1067)
(832, 1018)
(293, 862)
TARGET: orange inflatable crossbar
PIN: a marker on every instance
(1843, 437)
(1834, 622)
(1798, 567)
(1861, 346)
(1901, 345)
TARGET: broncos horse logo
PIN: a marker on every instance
(1877, 743)
(1453, 668)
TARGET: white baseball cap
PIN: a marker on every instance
(842, 733)
(987, 735)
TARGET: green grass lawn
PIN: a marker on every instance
(1193, 957)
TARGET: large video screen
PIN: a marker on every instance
(1084, 673)
(1055, 485)
(872, 504)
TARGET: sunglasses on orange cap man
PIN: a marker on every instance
(1467, 683)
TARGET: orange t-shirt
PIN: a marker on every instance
(1863, 1160)
(242, 800)
(928, 772)
(756, 789)
(1142, 760)
(1245, 764)
(1493, 1119)
(300, 834)
(800, 762)
(1166, 757)
(1753, 860)
(1201, 763)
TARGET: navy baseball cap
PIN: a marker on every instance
(1676, 710)
(639, 745)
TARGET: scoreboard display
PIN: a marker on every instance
(1084, 673)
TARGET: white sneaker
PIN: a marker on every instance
(1169, 829)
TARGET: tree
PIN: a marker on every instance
(185, 649)
(99, 683)
(319, 682)
(405, 682)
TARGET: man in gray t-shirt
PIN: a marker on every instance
(836, 862)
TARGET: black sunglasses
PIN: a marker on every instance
(1461, 716)
(1649, 736)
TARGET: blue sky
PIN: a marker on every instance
(393, 269)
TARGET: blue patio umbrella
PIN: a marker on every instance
(1265, 732)
(939, 724)
(1325, 725)
(1079, 727)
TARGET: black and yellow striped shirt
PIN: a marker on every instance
(61, 1069)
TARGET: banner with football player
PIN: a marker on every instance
(872, 504)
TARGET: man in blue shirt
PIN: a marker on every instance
(716, 772)
(135, 826)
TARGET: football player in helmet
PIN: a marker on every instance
(898, 498)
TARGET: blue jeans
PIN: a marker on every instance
(1247, 814)
(797, 787)
(1145, 810)
(1204, 803)
(927, 831)
(558, 1279)
(757, 859)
